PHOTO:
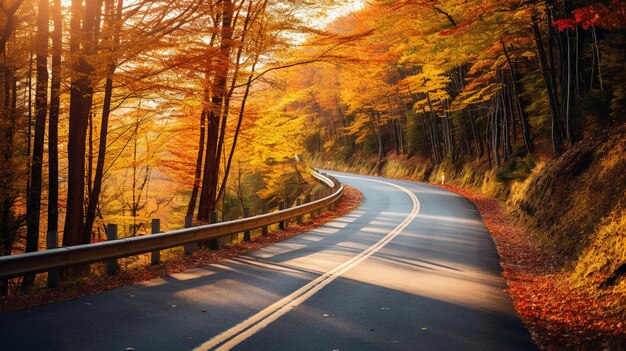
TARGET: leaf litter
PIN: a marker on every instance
(350, 201)
(559, 313)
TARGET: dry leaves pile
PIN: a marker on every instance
(91, 285)
(559, 314)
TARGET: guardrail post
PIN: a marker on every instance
(264, 211)
(155, 256)
(213, 245)
(112, 266)
(318, 196)
(312, 197)
(246, 214)
(299, 218)
(189, 248)
(327, 192)
(281, 206)
(52, 242)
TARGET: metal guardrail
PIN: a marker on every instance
(47, 260)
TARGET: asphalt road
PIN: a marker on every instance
(412, 269)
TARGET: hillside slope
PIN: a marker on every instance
(573, 206)
(577, 205)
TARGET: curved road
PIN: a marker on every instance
(412, 269)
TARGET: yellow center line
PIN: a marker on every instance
(242, 331)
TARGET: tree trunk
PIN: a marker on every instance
(222, 188)
(9, 221)
(488, 139)
(53, 125)
(114, 16)
(210, 178)
(198, 173)
(521, 111)
(506, 147)
(476, 134)
(554, 109)
(11, 22)
(568, 91)
(33, 206)
(82, 31)
(495, 134)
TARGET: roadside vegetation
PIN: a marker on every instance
(123, 111)
(139, 269)
(521, 101)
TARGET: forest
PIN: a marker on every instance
(119, 111)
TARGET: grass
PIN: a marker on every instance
(573, 206)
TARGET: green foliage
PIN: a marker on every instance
(311, 143)
(416, 138)
(613, 49)
(288, 189)
(538, 107)
(515, 168)
(346, 152)
(593, 111)
(368, 144)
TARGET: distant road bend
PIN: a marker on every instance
(414, 268)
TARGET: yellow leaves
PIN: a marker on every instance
(432, 79)
(360, 127)
(470, 97)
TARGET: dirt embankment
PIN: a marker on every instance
(561, 233)
(564, 254)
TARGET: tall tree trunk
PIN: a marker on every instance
(440, 153)
(114, 17)
(226, 110)
(53, 125)
(476, 134)
(450, 137)
(381, 142)
(208, 193)
(431, 135)
(9, 221)
(11, 22)
(33, 207)
(82, 31)
(521, 111)
(554, 109)
(488, 138)
(495, 131)
(568, 92)
(29, 139)
(596, 49)
(506, 145)
(198, 173)
(391, 126)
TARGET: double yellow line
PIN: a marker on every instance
(242, 331)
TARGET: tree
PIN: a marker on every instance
(84, 29)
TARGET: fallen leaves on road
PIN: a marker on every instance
(349, 201)
(559, 314)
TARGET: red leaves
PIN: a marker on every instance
(608, 17)
(560, 314)
(458, 29)
(563, 24)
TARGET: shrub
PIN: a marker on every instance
(515, 168)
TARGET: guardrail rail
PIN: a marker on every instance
(53, 259)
